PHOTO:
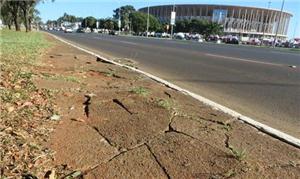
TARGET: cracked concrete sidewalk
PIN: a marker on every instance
(120, 124)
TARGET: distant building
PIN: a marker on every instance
(236, 20)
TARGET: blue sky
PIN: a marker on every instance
(104, 8)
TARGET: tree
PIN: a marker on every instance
(101, 23)
(27, 8)
(213, 28)
(51, 23)
(198, 26)
(34, 17)
(125, 15)
(139, 22)
(182, 26)
(14, 9)
(89, 22)
(6, 15)
(68, 18)
(110, 24)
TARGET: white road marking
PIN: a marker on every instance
(244, 60)
(125, 42)
(99, 38)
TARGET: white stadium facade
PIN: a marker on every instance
(236, 20)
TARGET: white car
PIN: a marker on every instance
(68, 30)
(180, 36)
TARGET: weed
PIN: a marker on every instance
(227, 127)
(131, 65)
(61, 77)
(111, 74)
(140, 90)
(71, 79)
(230, 173)
(167, 104)
(238, 154)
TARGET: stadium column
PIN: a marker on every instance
(261, 22)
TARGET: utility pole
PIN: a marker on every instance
(148, 21)
(119, 21)
(279, 21)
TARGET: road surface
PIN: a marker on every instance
(257, 82)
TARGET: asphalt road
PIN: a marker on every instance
(254, 81)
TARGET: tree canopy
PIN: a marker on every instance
(198, 26)
(125, 14)
(89, 22)
(67, 18)
(139, 22)
(17, 12)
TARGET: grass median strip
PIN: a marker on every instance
(24, 108)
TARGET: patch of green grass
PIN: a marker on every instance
(227, 127)
(239, 154)
(140, 90)
(112, 74)
(131, 65)
(71, 79)
(164, 103)
(61, 77)
(20, 48)
(230, 173)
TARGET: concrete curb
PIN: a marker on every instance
(262, 127)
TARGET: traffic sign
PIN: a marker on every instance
(173, 16)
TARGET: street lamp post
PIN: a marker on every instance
(148, 21)
(172, 23)
(277, 27)
(119, 21)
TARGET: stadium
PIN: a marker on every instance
(236, 20)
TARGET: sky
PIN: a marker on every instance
(104, 8)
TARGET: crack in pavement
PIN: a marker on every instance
(112, 158)
(86, 105)
(157, 161)
(122, 105)
(217, 122)
(105, 138)
(168, 94)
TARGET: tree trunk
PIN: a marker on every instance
(25, 16)
(17, 24)
(9, 26)
(29, 24)
(15, 13)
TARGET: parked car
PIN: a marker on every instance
(95, 30)
(68, 30)
(179, 35)
(113, 32)
(231, 39)
(254, 41)
(80, 30)
(213, 38)
(165, 35)
(295, 43)
(158, 34)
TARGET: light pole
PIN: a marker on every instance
(173, 15)
(277, 27)
(119, 21)
(148, 21)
